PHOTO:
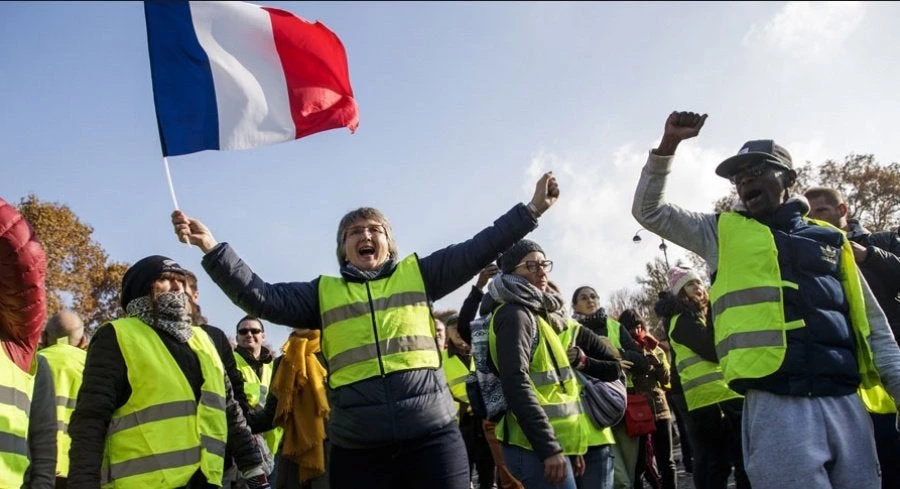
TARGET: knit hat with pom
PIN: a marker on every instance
(679, 277)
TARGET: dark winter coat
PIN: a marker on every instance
(881, 268)
(514, 327)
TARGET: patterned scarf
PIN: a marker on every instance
(170, 314)
(595, 322)
(511, 288)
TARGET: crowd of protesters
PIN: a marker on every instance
(780, 370)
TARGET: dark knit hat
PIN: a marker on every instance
(508, 260)
(141, 275)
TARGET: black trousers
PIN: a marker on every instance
(716, 439)
(434, 461)
(477, 449)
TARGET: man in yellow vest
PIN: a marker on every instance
(65, 343)
(255, 363)
(878, 257)
(797, 330)
(155, 408)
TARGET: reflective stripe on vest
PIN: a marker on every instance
(377, 327)
(701, 380)
(595, 436)
(456, 372)
(66, 363)
(750, 325)
(560, 400)
(16, 388)
(162, 435)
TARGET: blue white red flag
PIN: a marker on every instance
(234, 75)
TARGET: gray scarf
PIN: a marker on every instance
(349, 270)
(511, 288)
(170, 314)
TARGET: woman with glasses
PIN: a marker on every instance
(587, 311)
(528, 336)
(392, 417)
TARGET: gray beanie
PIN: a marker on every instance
(508, 260)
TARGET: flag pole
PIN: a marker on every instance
(169, 179)
(172, 189)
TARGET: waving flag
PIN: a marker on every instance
(233, 75)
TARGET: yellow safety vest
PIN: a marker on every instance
(456, 372)
(701, 380)
(555, 387)
(67, 366)
(257, 389)
(613, 332)
(16, 389)
(595, 436)
(161, 436)
(377, 327)
(748, 306)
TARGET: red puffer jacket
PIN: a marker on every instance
(23, 298)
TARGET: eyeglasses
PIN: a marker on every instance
(359, 231)
(754, 171)
(248, 331)
(533, 266)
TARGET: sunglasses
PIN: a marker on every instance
(753, 171)
(248, 331)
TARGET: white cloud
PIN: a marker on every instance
(803, 29)
(588, 232)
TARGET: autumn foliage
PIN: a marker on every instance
(79, 274)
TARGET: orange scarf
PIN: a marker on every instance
(299, 385)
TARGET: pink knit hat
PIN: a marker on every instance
(679, 277)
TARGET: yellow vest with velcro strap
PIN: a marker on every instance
(67, 366)
(256, 390)
(701, 380)
(748, 306)
(16, 389)
(595, 436)
(377, 327)
(456, 372)
(162, 435)
(555, 387)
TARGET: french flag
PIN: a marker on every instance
(234, 75)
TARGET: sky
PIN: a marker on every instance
(462, 106)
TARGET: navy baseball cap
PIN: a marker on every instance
(753, 151)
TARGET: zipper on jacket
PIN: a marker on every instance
(375, 329)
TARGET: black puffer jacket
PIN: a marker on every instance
(105, 388)
(382, 410)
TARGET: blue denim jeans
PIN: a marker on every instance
(528, 467)
(598, 468)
